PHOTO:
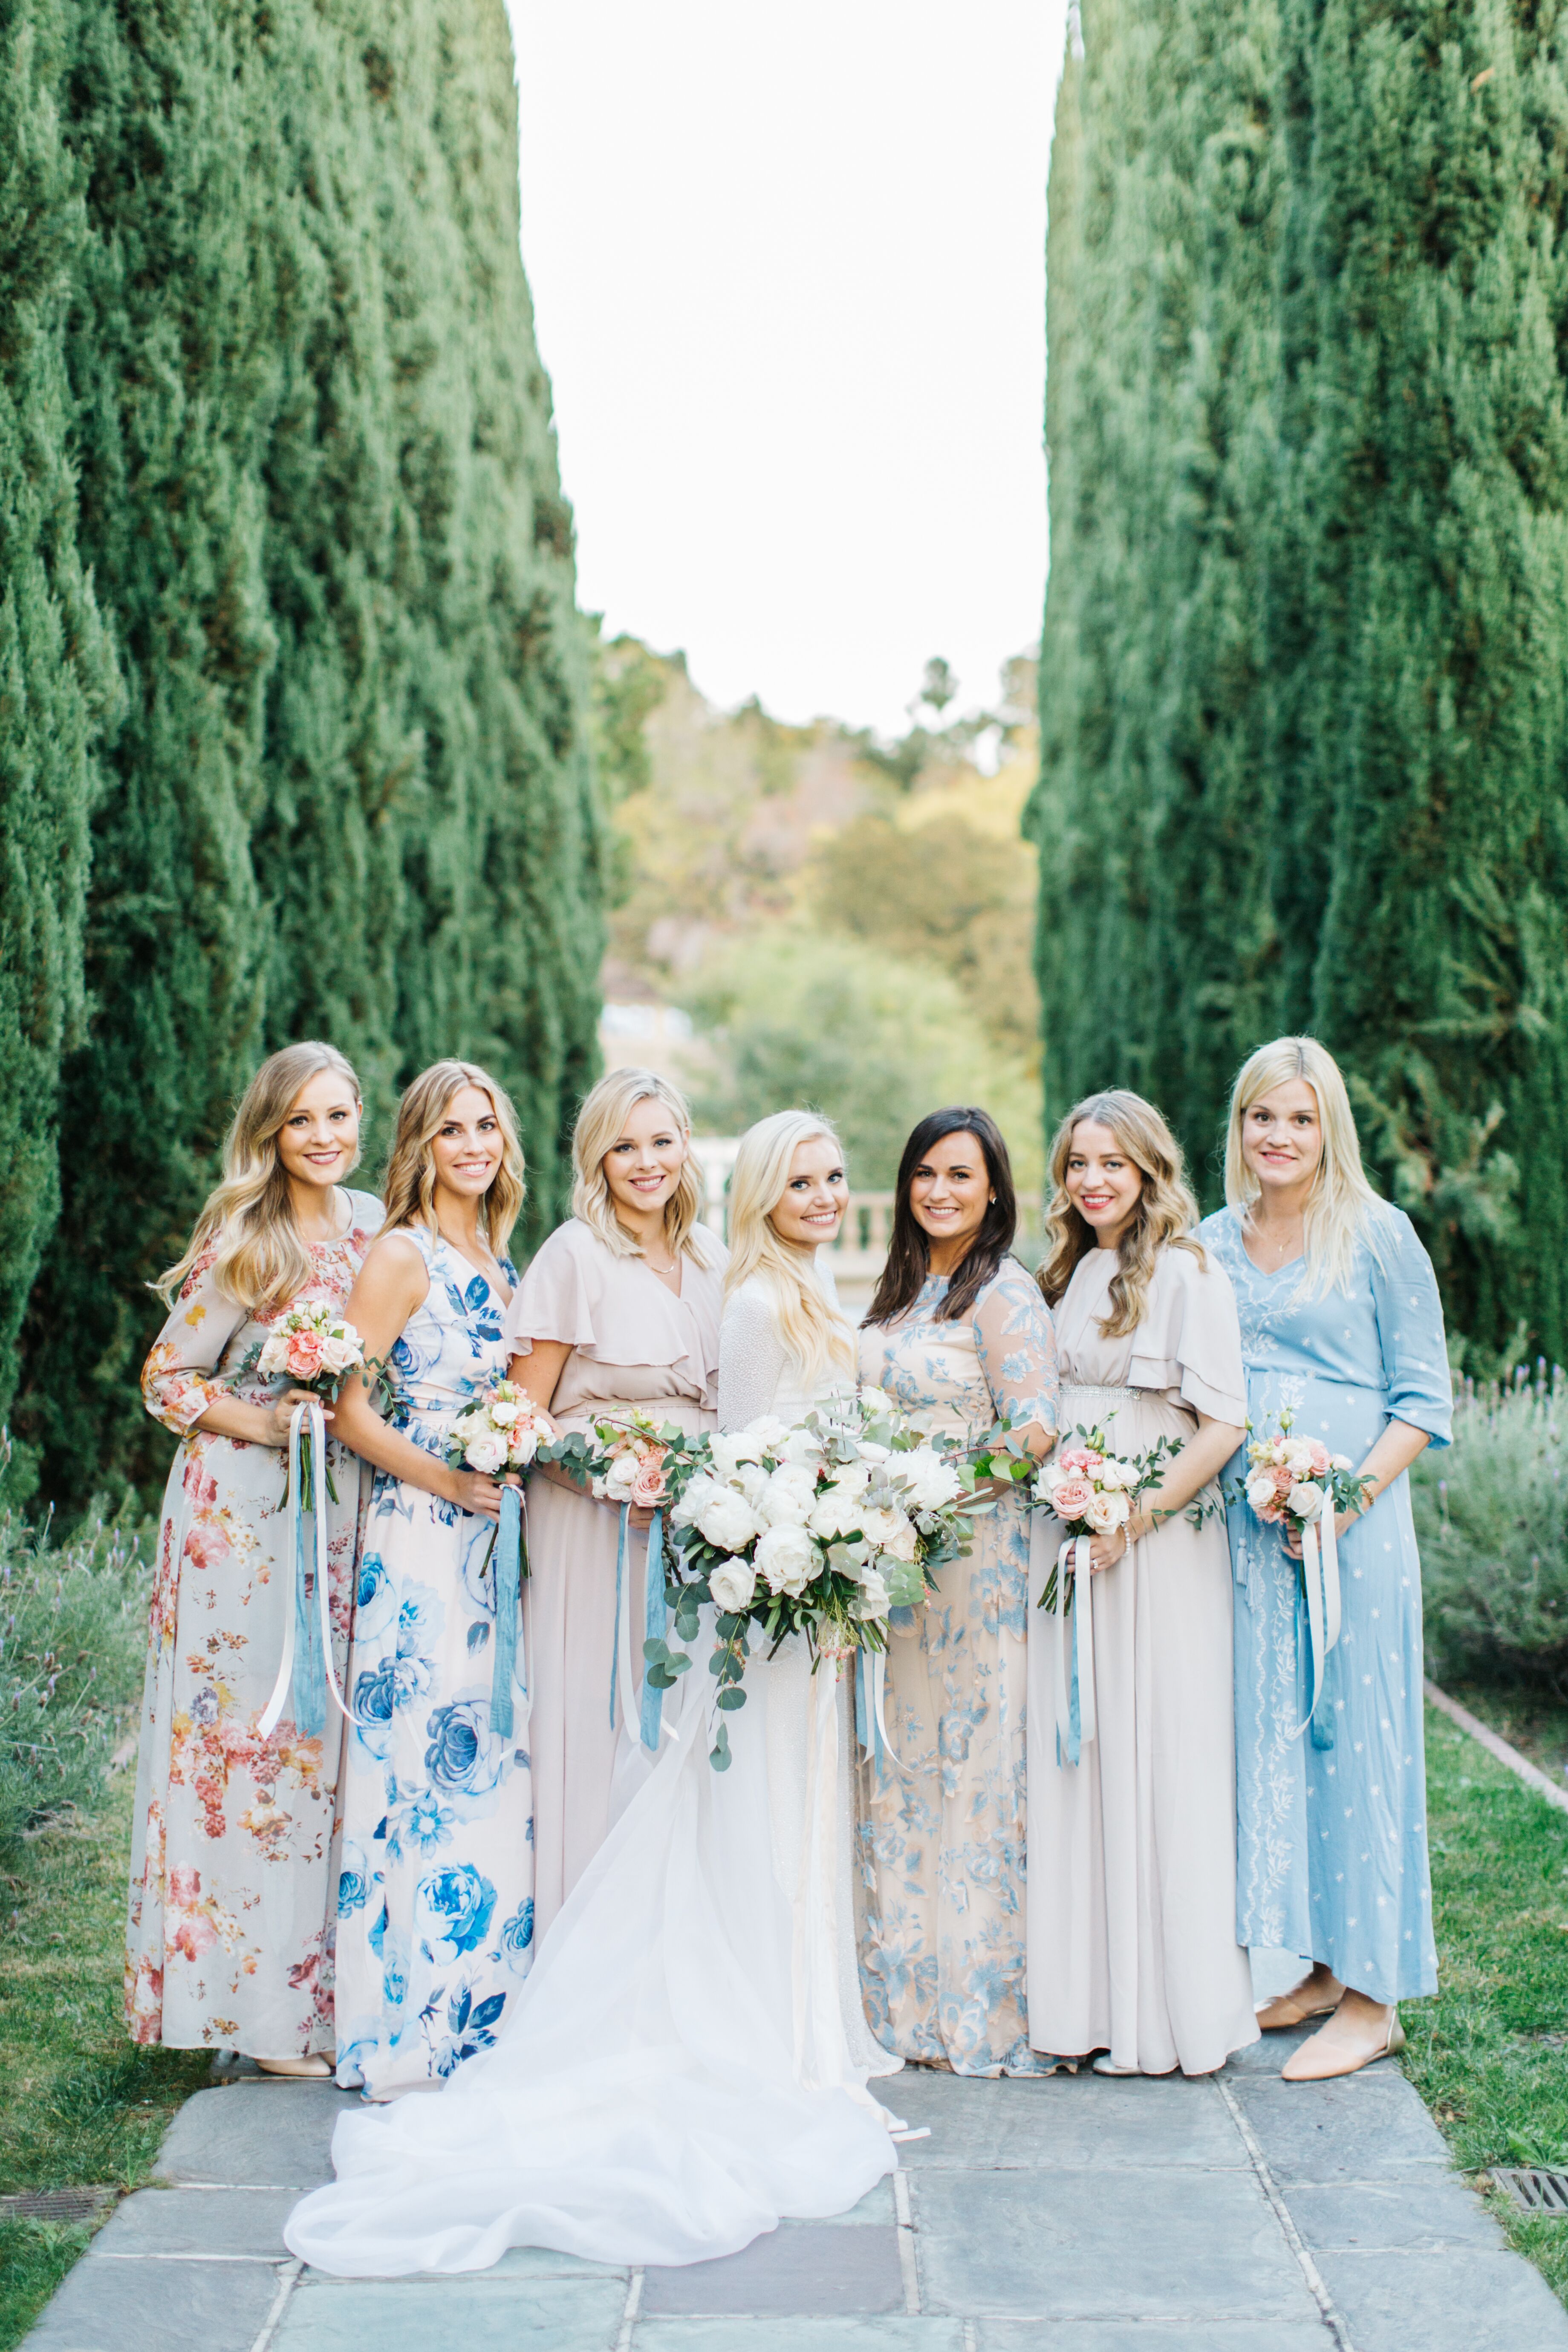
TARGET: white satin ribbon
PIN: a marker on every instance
(305, 1417)
(1321, 1576)
(815, 1905)
(870, 1706)
(1074, 1693)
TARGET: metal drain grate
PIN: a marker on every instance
(59, 2205)
(1535, 2191)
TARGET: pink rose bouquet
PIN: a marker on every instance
(1092, 1491)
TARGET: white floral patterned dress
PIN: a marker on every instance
(435, 1889)
(228, 1945)
(942, 1942)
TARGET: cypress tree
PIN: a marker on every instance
(57, 682)
(351, 793)
(1422, 619)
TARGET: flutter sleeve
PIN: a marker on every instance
(1017, 1343)
(1410, 1329)
(1190, 1337)
(178, 1381)
(751, 1361)
(557, 1296)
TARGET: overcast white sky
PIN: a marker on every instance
(788, 264)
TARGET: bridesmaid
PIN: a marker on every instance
(1340, 1323)
(229, 1940)
(958, 1335)
(434, 1894)
(1132, 1948)
(620, 1307)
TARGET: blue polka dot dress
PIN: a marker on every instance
(1331, 1823)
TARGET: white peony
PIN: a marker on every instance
(788, 1557)
(789, 1496)
(733, 1586)
(504, 1410)
(686, 1512)
(876, 1403)
(729, 1451)
(927, 1479)
(869, 1452)
(1108, 1511)
(840, 1508)
(726, 1521)
(874, 1598)
(487, 1451)
(1305, 1499)
(891, 1531)
(1260, 1491)
(802, 1446)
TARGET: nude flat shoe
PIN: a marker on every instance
(309, 2070)
(1318, 2061)
(1286, 2009)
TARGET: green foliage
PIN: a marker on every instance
(58, 683)
(1491, 1515)
(1487, 2055)
(1303, 692)
(839, 1026)
(318, 498)
(73, 1631)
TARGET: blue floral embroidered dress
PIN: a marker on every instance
(942, 1940)
(435, 1884)
(1331, 1826)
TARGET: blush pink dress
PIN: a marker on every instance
(633, 1343)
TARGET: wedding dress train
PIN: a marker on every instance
(682, 2068)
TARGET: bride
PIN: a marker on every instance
(686, 2063)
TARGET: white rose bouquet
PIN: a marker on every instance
(502, 1430)
(822, 1528)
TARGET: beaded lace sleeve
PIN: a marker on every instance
(751, 1361)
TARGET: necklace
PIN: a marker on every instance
(1290, 1245)
(659, 1269)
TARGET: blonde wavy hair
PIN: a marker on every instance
(817, 1337)
(601, 1123)
(408, 1188)
(1341, 1207)
(1163, 1219)
(251, 1215)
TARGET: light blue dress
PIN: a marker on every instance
(942, 1841)
(435, 1880)
(1331, 1826)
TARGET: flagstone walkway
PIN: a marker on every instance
(1076, 2214)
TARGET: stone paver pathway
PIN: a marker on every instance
(1075, 2214)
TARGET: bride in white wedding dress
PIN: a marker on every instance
(686, 2063)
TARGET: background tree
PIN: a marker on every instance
(318, 498)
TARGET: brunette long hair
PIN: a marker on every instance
(408, 1188)
(1164, 1217)
(909, 1250)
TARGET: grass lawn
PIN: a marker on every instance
(79, 2104)
(1488, 2055)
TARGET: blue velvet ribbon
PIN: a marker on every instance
(505, 1586)
(656, 1616)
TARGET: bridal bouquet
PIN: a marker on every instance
(823, 1528)
(1092, 1492)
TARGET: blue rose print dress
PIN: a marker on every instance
(1331, 1826)
(435, 1880)
(942, 1842)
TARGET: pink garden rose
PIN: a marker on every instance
(1071, 1499)
(305, 1352)
(647, 1487)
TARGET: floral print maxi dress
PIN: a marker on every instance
(228, 1945)
(435, 1889)
(943, 1945)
